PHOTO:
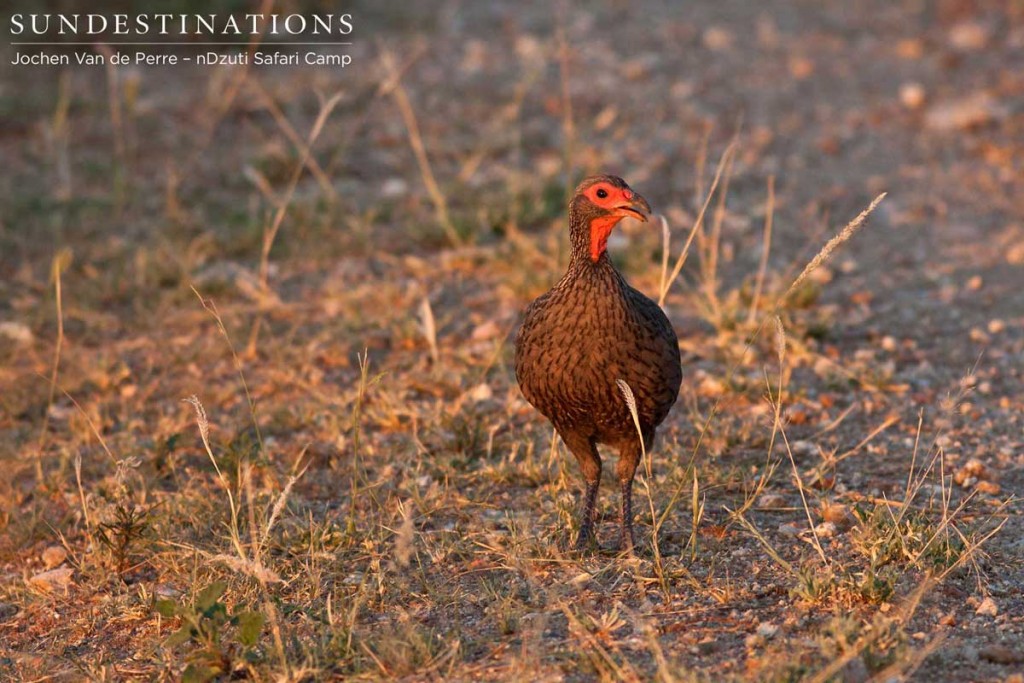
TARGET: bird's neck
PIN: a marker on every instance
(589, 237)
(601, 273)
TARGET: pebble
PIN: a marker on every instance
(789, 529)
(973, 471)
(988, 487)
(804, 448)
(969, 36)
(717, 38)
(394, 187)
(988, 608)
(52, 579)
(19, 333)
(771, 501)
(481, 392)
(166, 591)
(912, 95)
(972, 110)
(581, 578)
(825, 530)
(54, 556)
(836, 513)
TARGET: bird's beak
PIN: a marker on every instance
(637, 208)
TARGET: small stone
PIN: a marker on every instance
(973, 110)
(1015, 253)
(889, 344)
(988, 487)
(60, 411)
(481, 392)
(978, 335)
(910, 48)
(996, 325)
(19, 333)
(789, 529)
(825, 530)
(804, 448)
(166, 591)
(581, 578)
(771, 501)
(969, 36)
(1000, 654)
(948, 620)
(605, 118)
(822, 275)
(717, 38)
(529, 49)
(53, 579)
(767, 630)
(972, 471)
(54, 556)
(394, 187)
(837, 514)
(912, 95)
(974, 283)
(988, 608)
(800, 68)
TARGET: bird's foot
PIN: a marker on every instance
(627, 542)
(587, 540)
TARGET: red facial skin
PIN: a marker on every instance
(618, 202)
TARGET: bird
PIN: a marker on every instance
(586, 335)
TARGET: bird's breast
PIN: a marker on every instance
(575, 344)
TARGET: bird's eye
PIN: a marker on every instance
(602, 193)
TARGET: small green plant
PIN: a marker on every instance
(222, 642)
(130, 524)
(917, 537)
(814, 584)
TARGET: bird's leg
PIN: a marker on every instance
(588, 516)
(629, 458)
(628, 539)
(585, 451)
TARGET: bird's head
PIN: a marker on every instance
(598, 204)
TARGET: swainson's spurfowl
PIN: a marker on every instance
(586, 333)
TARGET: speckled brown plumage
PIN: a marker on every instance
(590, 330)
